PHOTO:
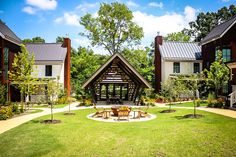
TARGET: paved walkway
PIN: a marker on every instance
(14, 122)
(224, 112)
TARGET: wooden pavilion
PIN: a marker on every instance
(116, 81)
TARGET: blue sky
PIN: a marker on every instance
(52, 18)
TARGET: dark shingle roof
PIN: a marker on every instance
(7, 34)
(171, 50)
(47, 51)
(219, 30)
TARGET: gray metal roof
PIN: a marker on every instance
(171, 50)
(219, 31)
(47, 51)
(7, 34)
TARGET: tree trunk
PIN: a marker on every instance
(194, 107)
(69, 107)
(51, 112)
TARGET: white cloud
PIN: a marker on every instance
(43, 4)
(190, 13)
(225, 0)
(29, 10)
(68, 18)
(132, 4)
(168, 23)
(155, 4)
(85, 7)
(84, 42)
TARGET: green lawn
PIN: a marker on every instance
(167, 135)
(46, 106)
(188, 104)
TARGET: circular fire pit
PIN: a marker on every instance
(115, 109)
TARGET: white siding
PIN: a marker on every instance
(57, 71)
(185, 68)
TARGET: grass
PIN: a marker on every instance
(167, 135)
(46, 106)
(188, 104)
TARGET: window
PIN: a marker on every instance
(226, 54)
(6, 60)
(176, 67)
(196, 68)
(48, 70)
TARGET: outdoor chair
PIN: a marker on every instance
(123, 112)
(143, 113)
(99, 111)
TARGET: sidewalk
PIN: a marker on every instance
(224, 112)
(14, 122)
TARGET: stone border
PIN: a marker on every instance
(114, 119)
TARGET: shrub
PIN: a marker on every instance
(65, 100)
(15, 109)
(6, 112)
(198, 102)
(3, 94)
(21, 107)
(62, 100)
(86, 102)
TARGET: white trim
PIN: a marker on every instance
(108, 62)
(222, 34)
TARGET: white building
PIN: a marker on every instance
(174, 58)
(52, 61)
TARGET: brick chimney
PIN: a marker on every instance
(67, 44)
(157, 62)
(159, 40)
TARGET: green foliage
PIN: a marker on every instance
(213, 102)
(113, 28)
(177, 36)
(86, 102)
(6, 112)
(59, 39)
(33, 40)
(218, 73)
(84, 64)
(168, 90)
(142, 61)
(205, 22)
(3, 94)
(20, 74)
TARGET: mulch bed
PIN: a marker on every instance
(192, 116)
(49, 121)
(168, 111)
(69, 113)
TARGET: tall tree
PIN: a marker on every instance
(113, 28)
(142, 61)
(84, 64)
(52, 90)
(21, 72)
(177, 36)
(205, 22)
(218, 73)
(33, 40)
(59, 39)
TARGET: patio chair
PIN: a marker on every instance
(123, 112)
(99, 111)
(143, 113)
